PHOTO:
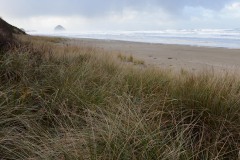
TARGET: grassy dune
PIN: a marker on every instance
(69, 102)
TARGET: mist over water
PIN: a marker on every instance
(227, 38)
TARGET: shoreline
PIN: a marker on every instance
(95, 39)
(126, 41)
(170, 56)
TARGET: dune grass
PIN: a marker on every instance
(69, 102)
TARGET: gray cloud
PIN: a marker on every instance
(95, 8)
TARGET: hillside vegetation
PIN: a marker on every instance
(7, 33)
(8, 29)
(70, 102)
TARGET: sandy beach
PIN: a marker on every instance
(176, 57)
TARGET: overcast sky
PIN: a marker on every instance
(81, 15)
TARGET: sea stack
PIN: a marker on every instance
(59, 28)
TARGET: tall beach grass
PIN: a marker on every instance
(62, 101)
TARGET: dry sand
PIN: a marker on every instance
(176, 57)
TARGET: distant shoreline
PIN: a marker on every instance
(152, 43)
(129, 41)
(176, 57)
(201, 38)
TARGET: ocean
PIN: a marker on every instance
(226, 38)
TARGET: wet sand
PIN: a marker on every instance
(176, 57)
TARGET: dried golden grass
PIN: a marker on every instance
(60, 101)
